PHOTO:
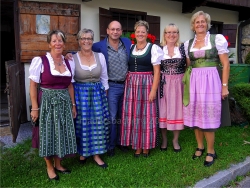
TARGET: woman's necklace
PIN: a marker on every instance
(139, 49)
(200, 40)
(58, 62)
(88, 59)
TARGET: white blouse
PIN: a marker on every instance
(104, 74)
(220, 43)
(177, 53)
(36, 68)
(156, 53)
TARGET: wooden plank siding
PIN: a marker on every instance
(65, 17)
(242, 3)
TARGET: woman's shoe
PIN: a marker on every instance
(196, 156)
(104, 165)
(136, 154)
(209, 163)
(55, 178)
(83, 161)
(66, 171)
(146, 153)
(163, 149)
(177, 150)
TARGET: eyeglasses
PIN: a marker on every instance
(169, 33)
(115, 29)
(86, 39)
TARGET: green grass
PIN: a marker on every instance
(21, 166)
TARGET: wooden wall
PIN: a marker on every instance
(65, 17)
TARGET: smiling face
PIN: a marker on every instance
(86, 41)
(200, 25)
(171, 34)
(56, 44)
(141, 34)
(114, 30)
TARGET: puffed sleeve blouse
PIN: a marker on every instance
(220, 43)
(156, 53)
(104, 74)
(36, 68)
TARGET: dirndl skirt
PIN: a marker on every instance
(56, 125)
(204, 108)
(92, 121)
(170, 105)
(139, 116)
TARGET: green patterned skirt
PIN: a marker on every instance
(56, 128)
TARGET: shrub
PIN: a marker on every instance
(247, 60)
(241, 94)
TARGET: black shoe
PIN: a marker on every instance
(66, 171)
(83, 161)
(104, 165)
(209, 163)
(163, 149)
(177, 150)
(146, 154)
(195, 156)
(137, 155)
(111, 152)
(55, 178)
(123, 148)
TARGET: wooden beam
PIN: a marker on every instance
(190, 6)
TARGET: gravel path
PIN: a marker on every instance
(25, 132)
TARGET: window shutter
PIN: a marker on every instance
(154, 27)
(230, 30)
(105, 18)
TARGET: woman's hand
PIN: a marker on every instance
(74, 111)
(224, 92)
(152, 96)
(69, 56)
(34, 114)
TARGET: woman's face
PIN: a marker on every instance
(200, 24)
(56, 44)
(171, 35)
(86, 41)
(141, 34)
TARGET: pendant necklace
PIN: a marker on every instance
(199, 40)
(139, 49)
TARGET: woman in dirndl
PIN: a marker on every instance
(205, 93)
(171, 87)
(91, 85)
(56, 103)
(139, 111)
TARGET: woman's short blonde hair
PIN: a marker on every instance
(142, 23)
(196, 15)
(57, 33)
(164, 42)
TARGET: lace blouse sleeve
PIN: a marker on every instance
(221, 44)
(186, 48)
(35, 69)
(104, 74)
(156, 55)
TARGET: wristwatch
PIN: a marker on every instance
(224, 84)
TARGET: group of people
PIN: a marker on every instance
(114, 94)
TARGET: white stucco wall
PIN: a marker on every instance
(169, 11)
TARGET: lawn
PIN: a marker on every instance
(21, 166)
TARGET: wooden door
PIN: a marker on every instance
(65, 17)
(105, 18)
(16, 98)
(154, 27)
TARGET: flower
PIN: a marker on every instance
(232, 54)
(226, 37)
(150, 38)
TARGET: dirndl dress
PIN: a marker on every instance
(56, 125)
(139, 116)
(204, 110)
(171, 92)
(92, 121)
